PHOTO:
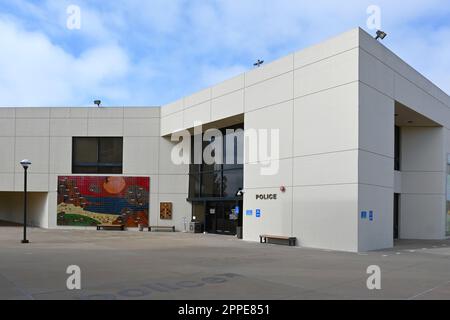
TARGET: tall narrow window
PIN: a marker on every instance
(97, 155)
(219, 180)
(397, 148)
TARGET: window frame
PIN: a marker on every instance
(398, 149)
(96, 167)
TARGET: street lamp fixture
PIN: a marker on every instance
(25, 164)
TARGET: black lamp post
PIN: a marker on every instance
(25, 164)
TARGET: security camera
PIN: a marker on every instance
(98, 103)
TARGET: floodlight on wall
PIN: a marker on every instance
(98, 103)
(381, 35)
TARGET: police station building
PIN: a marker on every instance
(342, 145)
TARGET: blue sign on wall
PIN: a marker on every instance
(371, 215)
(258, 213)
(249, 212)
(364, 215)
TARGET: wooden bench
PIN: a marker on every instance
(119, 227)
(165, 228)
(265, 238)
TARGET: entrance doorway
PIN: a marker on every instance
(396, 216)
(214, 188)
(219, 217)
(223, 217)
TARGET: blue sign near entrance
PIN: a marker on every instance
(249, 212)
(258, 213)
(367, 215)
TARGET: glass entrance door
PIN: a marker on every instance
(222, 217)
(212, 209)
(226, 222)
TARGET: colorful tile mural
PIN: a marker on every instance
(91, 200)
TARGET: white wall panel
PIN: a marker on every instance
(326, 122)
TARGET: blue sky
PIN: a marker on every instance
(152, 52)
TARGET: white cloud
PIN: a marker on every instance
(37, 72)
(152, 52)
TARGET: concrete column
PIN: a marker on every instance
(423, 199)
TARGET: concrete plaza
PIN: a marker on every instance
(132, 265)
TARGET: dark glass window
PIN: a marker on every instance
(218, 180)
(97, 155)
(233, 149)
(194, 168)
(211, 182)
(214, 166)
(397, 166)
(232, 181)
(194, 186)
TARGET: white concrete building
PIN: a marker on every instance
(363, 151)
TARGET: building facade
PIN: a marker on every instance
(362, 143)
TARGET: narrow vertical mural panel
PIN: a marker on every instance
(85, 201)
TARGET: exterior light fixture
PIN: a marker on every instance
(25, 164)
(240, 193)
(381, 35)
(258, 63)
(98, 103)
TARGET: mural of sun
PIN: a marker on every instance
(93, 200)
(114, 185)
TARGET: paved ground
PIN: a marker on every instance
(135, 265)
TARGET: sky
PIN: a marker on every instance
(152, 52)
